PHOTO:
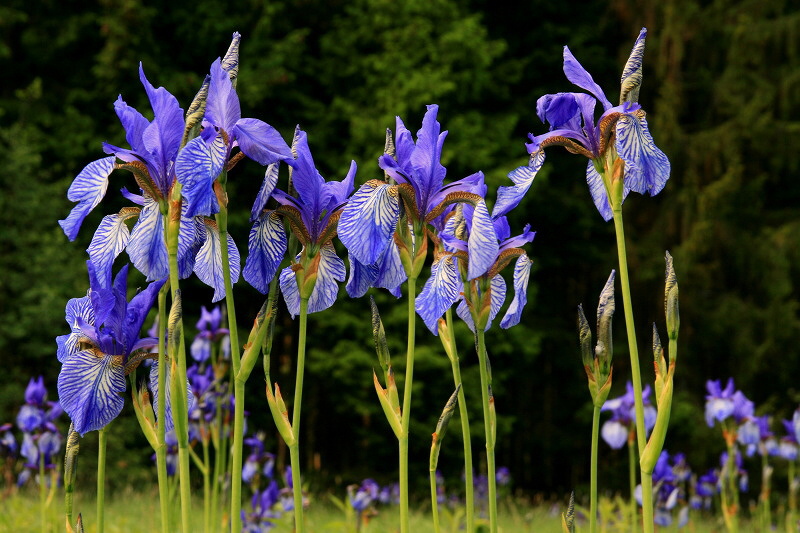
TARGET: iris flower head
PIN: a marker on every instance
(385, 224)
(313, 215)
(617, 143)
(102, 348)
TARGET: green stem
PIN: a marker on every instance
(791, 525)
(161, 449)
(593, 470)
(239, 391)
(632, 481)
(42, 493)
(489, 426)
(636, 374)
(207, 527)
(730, 497)
(465, 432)
(178, 395)
(766, 518)
(294, 449)
(647, 496)
(405, 421)
(101, 479)
(434, 502)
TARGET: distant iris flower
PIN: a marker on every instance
(369, 222)
(209, 331)
(102, 348)
(618, 429)
(722, 404)
(618, 139)
(450, 277)
(313, 216)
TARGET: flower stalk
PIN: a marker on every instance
(490, 425)
(101, 479)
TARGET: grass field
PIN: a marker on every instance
(137, 512)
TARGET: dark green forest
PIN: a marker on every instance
(722, 92)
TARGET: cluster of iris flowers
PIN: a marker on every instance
(181, 163)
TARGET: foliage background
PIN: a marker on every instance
(722, 88)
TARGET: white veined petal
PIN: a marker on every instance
(88, 188)
(646, 167)
(330, 271)
(267, 186)
(291, 294)
(266, 247)
(483, 246)
(90, 389)
(368, 221)
(522, 271)
(439, 293)
(508, 197)
(362, 277)
(208, 264)
(146, 247)
(109, 240)
(498, 296)
(197, 166)
(598, 191)
(170, 422)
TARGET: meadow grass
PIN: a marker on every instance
(132, 511)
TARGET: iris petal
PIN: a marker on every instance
(362, 278)
(498, 296)
(88, 189)
(90, 388)
(170, 423)
(110, 239)
(196, 167)
(76, 308)
(222, 105)
(330, 271)
(482, 242)
(508, 197)
(522, 270)
(208, 265)
(598, 191)
(614, 433)
(266, 248)
(267, 186)
(368, 221)
(580, 77)
(426, 158)
(289, 290)
(632, 73)
(439, 293)
(146, 247)
(260, 142)
(646, 167)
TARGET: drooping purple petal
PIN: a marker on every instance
(362, 278)
(482, 242)
(369, 220)
(340, 190)
(598, 191)
(146, 247)
(260, 142)
(331, 270)
(208, 263)
(110, 239)
(137, 311)
(87, 189)
(289, 290)
(439, 293)
(198, 164)
(508, 197)
(580, 77)
(646, 167)
(267, 186)
(90, 389)
(522, 270)
(266, 248)
(557, 109)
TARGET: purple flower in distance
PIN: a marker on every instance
(719, 402)
(617, 430)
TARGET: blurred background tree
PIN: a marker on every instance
(722, 88)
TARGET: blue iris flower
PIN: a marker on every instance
(619, 428)
(419, 197)
(154, 145)
(313, 216)
(485, 293)
(101, 349)
(617, 143)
